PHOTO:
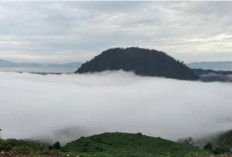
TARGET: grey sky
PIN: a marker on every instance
(77, 31)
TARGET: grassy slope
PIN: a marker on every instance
(125, 144)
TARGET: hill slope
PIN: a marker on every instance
(143, 62)
(126, 144)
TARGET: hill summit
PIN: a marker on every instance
(144, 62)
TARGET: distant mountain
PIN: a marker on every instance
(4, 63)
(8, 64)
(143, 62)
(211, 65)
(213, 75)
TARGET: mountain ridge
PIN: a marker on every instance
(8, 64)
(211, 65)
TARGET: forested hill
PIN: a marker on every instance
(143, 62)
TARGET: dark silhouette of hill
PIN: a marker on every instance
(142, 62)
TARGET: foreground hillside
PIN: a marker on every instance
(136, 145)
(103, 145)
(143, 62)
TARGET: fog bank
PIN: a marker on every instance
(65, 107)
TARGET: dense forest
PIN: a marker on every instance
(144, 62)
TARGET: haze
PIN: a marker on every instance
(65, 107)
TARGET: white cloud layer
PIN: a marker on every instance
(77, 31)
(65, 107)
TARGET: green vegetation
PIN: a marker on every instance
(131, 145)
(208, 147)
(222, 145)
(225, 139)
(105, 145)
(26, 147)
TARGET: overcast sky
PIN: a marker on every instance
(76, 31)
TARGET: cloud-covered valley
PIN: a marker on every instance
(63, 107)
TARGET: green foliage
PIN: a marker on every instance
(55, 146)
(106, 145)
(131, 145)
(208, 147)
(225, 139)
(21, 150)
(7, 145)
(220, 150)
(25, 147)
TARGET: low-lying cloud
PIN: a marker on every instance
(65, 107)
(216, 77)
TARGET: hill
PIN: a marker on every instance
(136, 145)
(211, 65)
(142, 62)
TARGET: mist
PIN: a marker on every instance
(65, 107)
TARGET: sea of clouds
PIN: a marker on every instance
(65, 107)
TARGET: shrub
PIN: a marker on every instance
(220, 150)
(21, 150)
(5, 145)
(208, 147)
(56, 145)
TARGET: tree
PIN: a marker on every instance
(188, 140)
(208, 147)
(56, 145)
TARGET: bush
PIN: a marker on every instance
(208, 147)
(21, 150)
(139, 133)
(5, 145)
(56, 145)
(188, 140)
(220, 150)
